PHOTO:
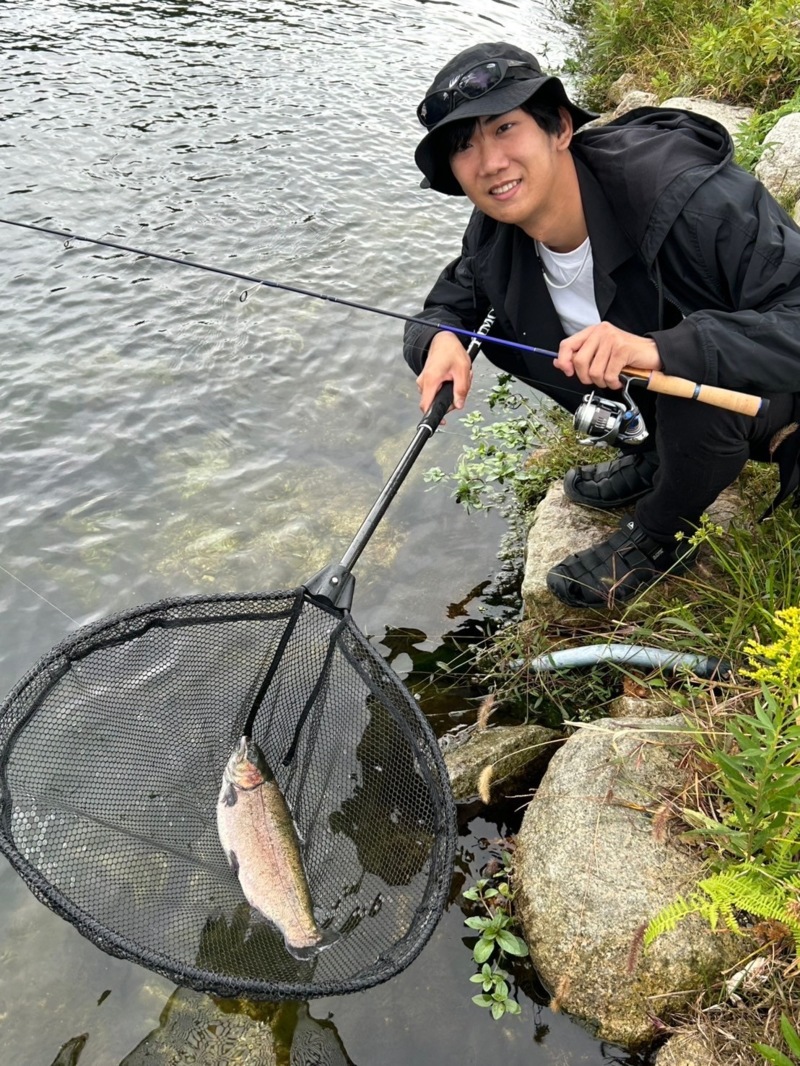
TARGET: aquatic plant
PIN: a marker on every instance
(495, 896)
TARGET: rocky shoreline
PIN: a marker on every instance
(779, 167)
(595, 858)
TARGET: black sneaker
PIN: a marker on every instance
(616, 483)
(617, 569)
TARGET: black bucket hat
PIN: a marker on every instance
(522, 79)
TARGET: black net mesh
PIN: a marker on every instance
(111, 758)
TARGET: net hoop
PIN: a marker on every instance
(48, 812)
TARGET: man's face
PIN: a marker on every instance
(514, 171)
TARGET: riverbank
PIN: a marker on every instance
(737, 808)
(740, 601)
(717, 49)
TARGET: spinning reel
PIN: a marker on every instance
(604, 422)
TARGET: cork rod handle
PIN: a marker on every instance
(742, 403)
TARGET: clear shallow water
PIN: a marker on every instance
(162, 435)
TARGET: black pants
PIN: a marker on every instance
(701, 449)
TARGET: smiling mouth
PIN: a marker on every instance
(507, 186)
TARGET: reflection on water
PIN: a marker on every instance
(316, 1043)
(388, 816)
(161, 436)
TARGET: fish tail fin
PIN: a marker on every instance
(329, 937)
(310, 951)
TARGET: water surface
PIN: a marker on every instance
(165, 432)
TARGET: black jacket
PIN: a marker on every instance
(688, 248)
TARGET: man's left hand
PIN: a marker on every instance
(598, 353)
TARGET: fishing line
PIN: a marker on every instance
(40, 596)
(266, 283)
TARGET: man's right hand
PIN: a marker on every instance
(447, 361)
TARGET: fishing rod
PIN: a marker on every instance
(266, 283)
(654, 381)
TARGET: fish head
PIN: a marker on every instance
(247, 768)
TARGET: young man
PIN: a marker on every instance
(638, 243)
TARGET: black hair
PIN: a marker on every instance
(547, 116)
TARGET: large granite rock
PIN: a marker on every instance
(633, 99)
(688, 1047)
(779, 167)
(559, 528)
(626, 95)
(593, 870)
(640, 707)
(730, 116)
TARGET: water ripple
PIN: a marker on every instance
(165, 431)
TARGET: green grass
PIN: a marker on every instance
(744, 53)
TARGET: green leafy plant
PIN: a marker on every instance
(755, 828)
(496, 940)
(754, 890)
(753, 138)
(496, 994)
(497, 465)
(746, 53)
(752, 53)
(792, 1040)
(758, 778)
(742, 580)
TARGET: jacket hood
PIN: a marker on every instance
(648, 172)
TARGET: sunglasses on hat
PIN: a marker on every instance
(471, 85)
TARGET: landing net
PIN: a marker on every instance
(112, 750)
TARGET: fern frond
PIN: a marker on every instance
(667, 919)
(752, 890)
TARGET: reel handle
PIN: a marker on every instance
(743, 403)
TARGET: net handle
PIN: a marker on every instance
(335, 583)
(425, 430)
(442, 402)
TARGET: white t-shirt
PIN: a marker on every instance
(570, 282)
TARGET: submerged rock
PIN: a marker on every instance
(70, 1052)
(315, 1043)
(515, 754)
(196, 1028)
(593, 869)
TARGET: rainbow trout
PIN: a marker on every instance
(260, 842)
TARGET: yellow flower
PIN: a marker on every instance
(782, 668)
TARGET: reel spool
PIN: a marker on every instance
(605, 422)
